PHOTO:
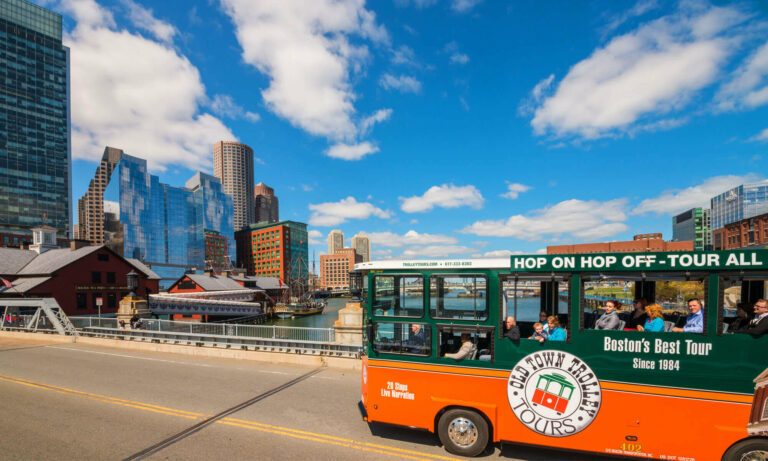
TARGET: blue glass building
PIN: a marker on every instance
(742, 202)
(162, 225)
(35, 176)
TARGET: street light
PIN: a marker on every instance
(133, 282)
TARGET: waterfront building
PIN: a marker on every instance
(218, 219)
(640, 243)
(162, 225)
(90, 207)
(267, 208)
(693, 225)
(335, 241)
(216, 251)
(745, 233)
(362, 245)
(335, 268)
(275, 250)
(35, 178)
(233, 165)
(79, 277)
(741, 202)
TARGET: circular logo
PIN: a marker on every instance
(554, 393)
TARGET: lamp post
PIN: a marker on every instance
(132, 282)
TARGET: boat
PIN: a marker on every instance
(301, 305)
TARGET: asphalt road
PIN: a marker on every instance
(71, 401)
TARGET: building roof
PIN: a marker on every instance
(265, 283)
(53, 260)
(143, 268)
(25, 284)
(214, 282)
(13, 259)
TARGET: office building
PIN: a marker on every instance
(161, 225)
(35, 175)
(275, 250)
(362, 245)
(233, 165)
(640, 243)
(335, 268)
(90, 207)
(741, 202)
(740, 234)
(335, 241)
(267, 208)
(693, 225)
(218, 220)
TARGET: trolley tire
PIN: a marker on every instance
(463, 432)
(740, 450)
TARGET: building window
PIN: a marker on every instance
(103, 257)
(110, 277)
(82, 301)
(96, 277)
(111, 300)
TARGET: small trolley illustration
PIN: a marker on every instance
(553, 391)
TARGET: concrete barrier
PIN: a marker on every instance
(213, 352)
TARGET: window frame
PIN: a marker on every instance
(739, 276)
(428, 303)
(428, 329)
(560, 277)
(399, 274)
(469, 328)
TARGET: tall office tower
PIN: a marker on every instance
(741, 202)
(218, 220)
(267, 208)
(90, 207)
(362, 245)
(233, 165)
(35, 179)
(335, 241)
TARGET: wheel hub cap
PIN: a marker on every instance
(755, 455)
(463, 432)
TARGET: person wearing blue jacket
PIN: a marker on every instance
(654, 322)
(555, 332)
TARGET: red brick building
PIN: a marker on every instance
(216, 251)
(334, 269)
(740, 234)
(77, 277)
(274, 250)
(640, 243)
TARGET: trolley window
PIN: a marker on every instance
(452, 339)
(403, 338)
(738, 295)
(533, 299)
(462, 297)
(398, 295)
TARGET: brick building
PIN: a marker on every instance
(640, 243)
(740, 234)
(334, 269)
(216, 250)
(274, 250)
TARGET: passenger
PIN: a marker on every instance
(759, 325)
(694, 323)
(638, 316)
(416, 342)
(655, 321)
(538, 333)
(554, 331)
(543, 316)
(466, 351)
(610, 320)
(511, 330)
(741, 321)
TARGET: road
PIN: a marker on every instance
(72, 401)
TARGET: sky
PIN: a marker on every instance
(441, 128)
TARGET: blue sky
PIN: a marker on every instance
(442, 128)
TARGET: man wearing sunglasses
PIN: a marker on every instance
(758, 326)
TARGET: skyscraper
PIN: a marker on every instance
(233, 165)
(335, 241)
(693, 225)
(362, 245)
(35, 180)
(267, 207)
(90, 207)
(741, 202)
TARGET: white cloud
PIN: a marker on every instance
(581, 219)
(315, 237)
(651, 71)
(437, 251)
(514, 190)
(334, 213)
(306, 50)
(463, 6)
(143, 18)
(416, 3)
(676, 201)
(459, 58)
(134, 93)
(500, 254)
(390, 239)
(762, 136)
(351, 151)
(403, 83)
(381, 115)
(639, 9)
(224, 106)
(748, 87)
(404, 55)
(444, 196)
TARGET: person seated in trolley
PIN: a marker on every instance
(416, 341)
(538, 333)
(554, 331)
(543, 316)
(511, 330)
(759, 325)
(467, 349)
(610, 319)
(694, 323)
(655, 320)
(637, 316)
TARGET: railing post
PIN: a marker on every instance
(274, 331)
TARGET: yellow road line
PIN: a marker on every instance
(279, 430)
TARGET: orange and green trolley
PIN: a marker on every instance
(674, 395)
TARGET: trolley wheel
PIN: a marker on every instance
(463, 432)
(748, 450)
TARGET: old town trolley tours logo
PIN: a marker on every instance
(554, 393)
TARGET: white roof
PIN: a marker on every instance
(444, 264)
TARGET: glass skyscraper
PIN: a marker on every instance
(163, 225)
(35, 176)
(744, 201)
(693, 225)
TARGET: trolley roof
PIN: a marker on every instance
(445, 264)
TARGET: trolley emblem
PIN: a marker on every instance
(554, 393)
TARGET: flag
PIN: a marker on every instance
(5, 284)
